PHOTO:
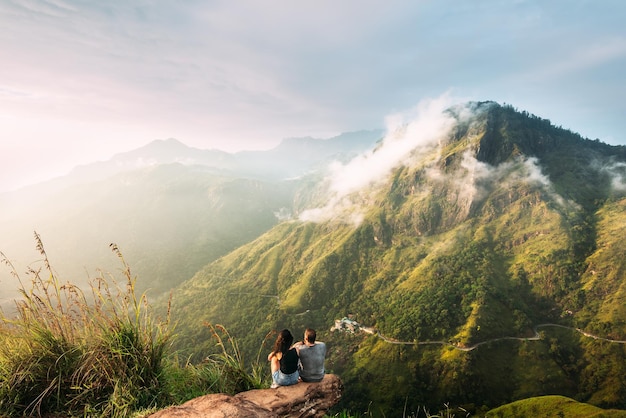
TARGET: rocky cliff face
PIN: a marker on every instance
(301, 400)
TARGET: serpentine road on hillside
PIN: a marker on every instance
(536, 337)
(374, 331)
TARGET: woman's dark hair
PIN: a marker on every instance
(283, 341)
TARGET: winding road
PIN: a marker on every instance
(536, 337)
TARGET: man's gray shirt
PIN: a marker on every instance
(312, 361)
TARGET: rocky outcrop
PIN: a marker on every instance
(300, 400)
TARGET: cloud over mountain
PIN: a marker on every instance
(410, 136)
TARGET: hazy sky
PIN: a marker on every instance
(81, 80)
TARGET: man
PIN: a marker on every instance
(312, 354)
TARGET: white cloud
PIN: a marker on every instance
(617, 172)
(410, 136)
(416, 131)
(481, 178)
(534, 173)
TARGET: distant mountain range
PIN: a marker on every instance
(291, 158)
(171, 208)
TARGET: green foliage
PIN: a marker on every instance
(551, 407)
(603, 291)
(229, 367)
(102, 354)
(602, 377)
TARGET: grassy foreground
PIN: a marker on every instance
(100, 351)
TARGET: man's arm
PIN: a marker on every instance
(297, 346)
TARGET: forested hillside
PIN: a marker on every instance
(491, 223)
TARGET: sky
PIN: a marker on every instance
(83, 80)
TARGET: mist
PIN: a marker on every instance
(617, 173)
(410, 136)
(415, 137)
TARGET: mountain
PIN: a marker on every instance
(294, 157)
(170, 208)
(157, 152)
(480, 247)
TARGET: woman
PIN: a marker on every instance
(284, 361)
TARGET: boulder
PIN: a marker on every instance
(300, 400)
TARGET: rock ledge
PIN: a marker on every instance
(301, 400)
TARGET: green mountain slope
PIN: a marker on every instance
(499, 223)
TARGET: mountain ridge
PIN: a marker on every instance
(172, 150)
(450, 247)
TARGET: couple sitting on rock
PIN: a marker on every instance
(303, 360)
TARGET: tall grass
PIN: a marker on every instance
(229, 365)
(95, 352)
(100, 352)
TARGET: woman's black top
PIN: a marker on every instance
(289, 362)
